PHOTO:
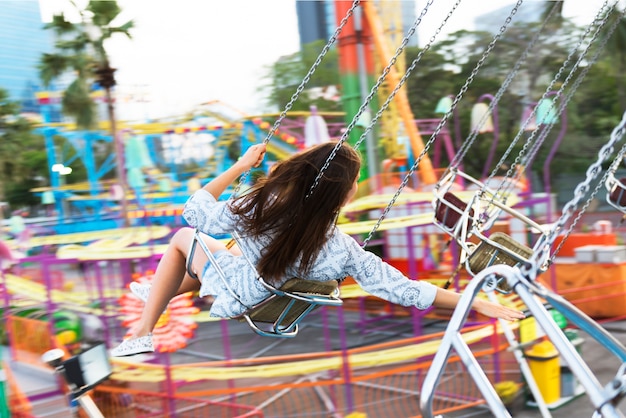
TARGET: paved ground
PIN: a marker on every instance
(600, 361)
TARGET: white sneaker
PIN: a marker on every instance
(132, 346)
(141, 290)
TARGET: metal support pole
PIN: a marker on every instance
(602, 398)
(370, 141)
(452, 338)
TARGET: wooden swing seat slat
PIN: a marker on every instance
(268, 310)
(289, 304)
(486, 254)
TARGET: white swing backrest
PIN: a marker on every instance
(458, 218)
(462, 220)
(616, 192)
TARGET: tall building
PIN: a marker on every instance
(317, 20)
(313, 20)
(22, 41)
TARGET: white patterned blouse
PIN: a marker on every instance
(340, 257)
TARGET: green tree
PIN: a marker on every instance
(591, 113)
(22, 155)
(446, 67)
(283, 77)
(616, 49)
(80, 47)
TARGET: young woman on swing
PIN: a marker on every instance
(286, 234)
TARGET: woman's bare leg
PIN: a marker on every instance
(171, 278)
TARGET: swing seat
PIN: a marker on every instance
(616, 195)
(449, 210)
(281, 312)
(456, 217)
(499, 248)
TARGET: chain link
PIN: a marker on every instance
(547, 128)
(406, 74)
(443, 120)
(368, 99)
(532, 115)
(615, 163)
(303, 83)
(530, 268)
(467, 144)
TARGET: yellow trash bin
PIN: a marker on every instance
(543, 360)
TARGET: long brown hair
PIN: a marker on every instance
(278, 206)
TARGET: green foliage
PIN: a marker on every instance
(23, 159)
(284, 76)
(591, 112)
(76, 101)
(595, 107)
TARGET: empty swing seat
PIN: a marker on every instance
(449, 210)
(499, 248)
(617, 192)
(281, 312)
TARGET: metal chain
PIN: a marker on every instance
(579, 215)
(614, 165)
(406, 75)
(303, 83)
(368, 99)
(467, 144)
(443, 120)
(545, 130)
(548, 89)
(530, 268)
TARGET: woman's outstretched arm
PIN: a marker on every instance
(448, 299)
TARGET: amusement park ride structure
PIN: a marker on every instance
(464, 212)
(206, 140)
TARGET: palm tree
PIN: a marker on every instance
(80, 48)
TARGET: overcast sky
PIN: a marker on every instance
(188, 52)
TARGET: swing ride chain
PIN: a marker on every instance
(546, 130)
(579, 215)
(408, 71)
(518, 159)
(503, 88)
(548, 127)
(529, 269)
(443, 120)
(616, 161)
(303, 83)
(368, 99)
(560, 110)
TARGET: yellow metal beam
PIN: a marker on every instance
(402, 101)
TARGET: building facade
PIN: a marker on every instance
(22, 41)
(317, 20)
